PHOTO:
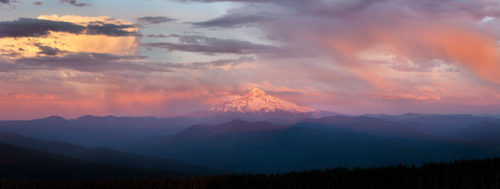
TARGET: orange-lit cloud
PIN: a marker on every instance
(16, 47)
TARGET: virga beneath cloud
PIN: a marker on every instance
(365, 56)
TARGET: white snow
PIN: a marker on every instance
(258, 101)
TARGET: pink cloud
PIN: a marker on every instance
(345, 56)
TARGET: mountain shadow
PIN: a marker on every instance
(24, 163)
(105, 156)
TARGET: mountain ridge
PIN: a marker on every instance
(105, 156)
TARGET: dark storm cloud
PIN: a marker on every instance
(110, 30)
(38, 3)
(75, 3)
(209, 45)
(27, 27)
(154, 20)
(85, 62)
(234, 20)
(5, 1)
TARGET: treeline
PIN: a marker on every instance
(464, 174)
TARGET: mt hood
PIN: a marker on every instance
(257, 101)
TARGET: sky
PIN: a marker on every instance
(172, 57)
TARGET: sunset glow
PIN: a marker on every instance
(159, 58)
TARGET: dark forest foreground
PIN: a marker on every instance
(472, 174)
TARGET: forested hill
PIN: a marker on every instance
(23, 163)
(482, 174)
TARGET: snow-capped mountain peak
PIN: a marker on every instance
(256, 92)
(258, 101)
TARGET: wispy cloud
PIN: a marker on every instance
(147, 20)
(84, 62)
(210, 45)
(75, 3)
(234, 20)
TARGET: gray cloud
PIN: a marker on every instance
(208, 45)
(74, 3)
(158, 36)
(10, 53)
(477, 9)
(209, 64)
(154, 20)
(28, 27)
(110, 29)
(85, 62)
(234, 20)
(46, 50)
(98, 63)
(242, 1)
(5, 1)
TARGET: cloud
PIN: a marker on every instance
(110, 29)
(209, 45)
(103, 84)
(84, 62)
(27, 27)
(479, 9)
(158, 36)
(38, 3)
(97, 63)
(224, 64)
(234, 20)
(148, 20)
(69, 34)
(380, 52)
(75, 3)
(359, 56)
(5, 1)
(46, 50)
(420, 32)
(241, 1)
